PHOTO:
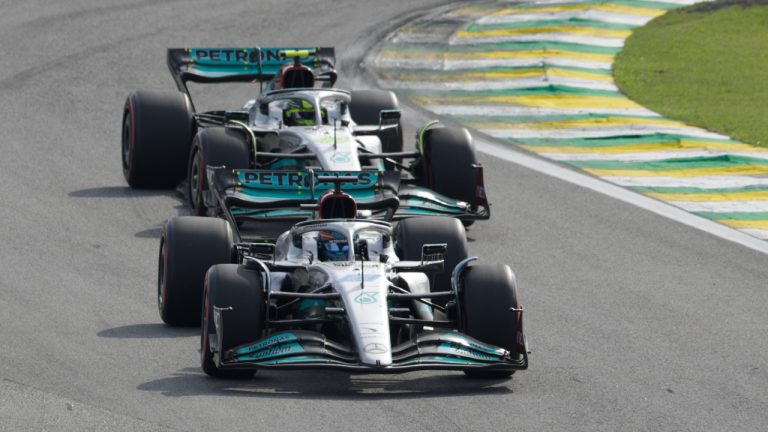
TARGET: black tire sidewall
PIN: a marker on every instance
(160, 127)
(238, 287)
(189, 247)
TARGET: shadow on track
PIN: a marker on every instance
(148, 331)
(129, 193)
(333, 385)
(121, 192)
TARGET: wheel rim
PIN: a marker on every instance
(127, 139)
(195, 182)
(204, 349)
(162, 281)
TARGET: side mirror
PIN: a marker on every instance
(433, 252)
(388, 118)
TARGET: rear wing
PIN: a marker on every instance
(219, 65)
(292, 195)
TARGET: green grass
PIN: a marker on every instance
(706, 65)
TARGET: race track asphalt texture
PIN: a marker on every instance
(636, 322)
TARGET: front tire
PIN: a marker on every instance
(412, 234)
(214, 146)
(486, 295)
(235, 286)
(189, 246)
(157, 131)
(450, 155)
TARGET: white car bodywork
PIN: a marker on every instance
(363, 285)
(333, 136)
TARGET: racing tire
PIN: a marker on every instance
(235, 286)
(411, 234)
(365, 107)
(215, 146)
(449, 156)
(157, 131)
(487, 292)
(189, 246)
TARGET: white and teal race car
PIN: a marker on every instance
(297, 122)
(339, 292)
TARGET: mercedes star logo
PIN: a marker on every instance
(376, 348)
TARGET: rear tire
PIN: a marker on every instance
(487, 294)
(189, 246)
(365, 107)
(411, 234)
(157, 131)
(215, 146)
(231, 285)
(450, 156)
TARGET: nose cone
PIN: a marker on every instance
(375, 349)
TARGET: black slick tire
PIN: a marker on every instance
(365, 107)
(411, 234)
(450, 156)
(214, 146)
(157, 132)
(189, 246)
(487, 293)
(238, 287)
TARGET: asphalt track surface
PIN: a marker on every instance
(636, 322)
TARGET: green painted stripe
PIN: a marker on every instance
(575, 22)
(633, 3)
(675, 164)
(499, 46)
(734, 216)
(543, 90)
(443, 72)
(692, 190)
(617, 140)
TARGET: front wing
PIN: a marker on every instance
(433, 350)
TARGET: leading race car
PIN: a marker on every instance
(340, 292)
(297, 122)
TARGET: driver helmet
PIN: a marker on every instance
(332, 246)
(299, 112)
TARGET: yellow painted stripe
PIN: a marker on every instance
(500, 75)
(573, 101)
(566, 73)
(694, 172)
(745, 224)
(631, 10)
(576, 30)
(581, 123)
(485, 55)
(641, 148)
(713, 197)
(538, 101)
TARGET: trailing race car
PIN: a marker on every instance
(339, 292)
(297, 122)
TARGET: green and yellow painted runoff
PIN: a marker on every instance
(538, 75)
